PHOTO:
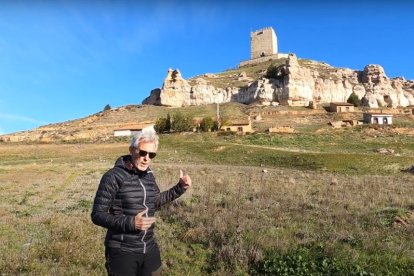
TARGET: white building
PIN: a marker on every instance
(378, 118)
(126, 132)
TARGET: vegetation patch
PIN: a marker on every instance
(317, 261)
(260, 204)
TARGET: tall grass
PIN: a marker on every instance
(238, 216)
(251, 208)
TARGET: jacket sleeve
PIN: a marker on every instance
(169, 195)
(102, 214)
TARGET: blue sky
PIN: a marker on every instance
(63, 60)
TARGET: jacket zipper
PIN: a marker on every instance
(146, 214)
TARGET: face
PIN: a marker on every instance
(142, 161)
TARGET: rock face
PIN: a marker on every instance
(295, 83)
(175, 89)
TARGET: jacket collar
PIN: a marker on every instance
(125, 162)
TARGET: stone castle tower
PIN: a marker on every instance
(263, 43)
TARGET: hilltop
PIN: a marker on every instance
(287, 81)
(273, 78)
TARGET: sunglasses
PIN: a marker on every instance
(143, 153)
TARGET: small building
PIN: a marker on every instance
(341, 107)
(240, 126)
(127, 131)
(378, 118)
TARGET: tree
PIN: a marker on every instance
(215, 126)
(163, 124)
(353, 99)
(107, 107)
(168, 123)
(181, 123)
(160, 125)
(271, 71)
(207, 124)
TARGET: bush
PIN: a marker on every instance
(302, 261)
(163, 124)
(168, 123)
(207, 124)
(317, 261)
(271, 72)
(226, 133)
(181, 123)
(215, 126)
(107, 107)
(353, 99)
(160, 125)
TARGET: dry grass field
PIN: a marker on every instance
(260, 205)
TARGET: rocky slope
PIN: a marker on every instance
(293, 82)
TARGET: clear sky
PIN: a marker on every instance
(63, 60)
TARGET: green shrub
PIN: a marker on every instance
(163, 124)
(160, 125)
(299, 262)
(207, 124)
(317, 261)
(271, 72)
(181, 123)
(353, 99)
(387, 216)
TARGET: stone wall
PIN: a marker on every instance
(263, 43)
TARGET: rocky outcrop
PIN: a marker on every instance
(295, 83)
(175, 89)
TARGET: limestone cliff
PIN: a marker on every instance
(294, 83)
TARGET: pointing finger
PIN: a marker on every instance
(181, 174)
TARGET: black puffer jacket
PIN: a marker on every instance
(123, 192)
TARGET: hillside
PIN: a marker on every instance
(100, 126)
(247, 92)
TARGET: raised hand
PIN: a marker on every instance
(185, 180)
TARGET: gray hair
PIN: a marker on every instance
(147, 134)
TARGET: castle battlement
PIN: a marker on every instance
(262, 29)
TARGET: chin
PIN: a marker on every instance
(142, 168)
